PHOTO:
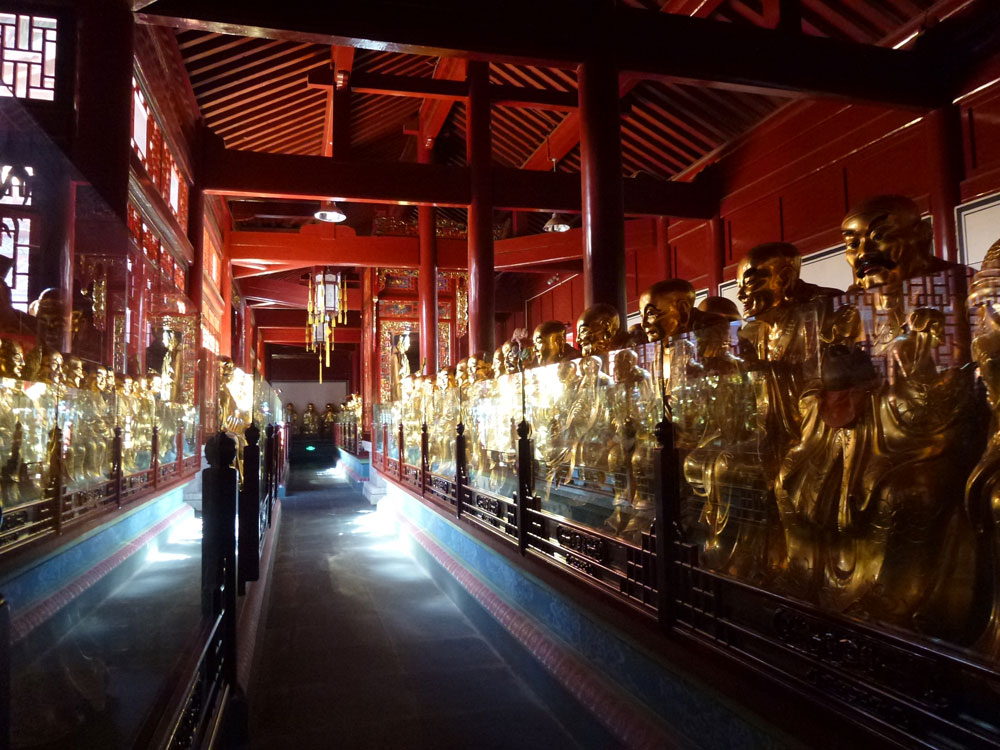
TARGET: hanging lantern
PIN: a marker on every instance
(324, 308)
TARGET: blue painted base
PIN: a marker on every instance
(691, 709)
(355, 469)
(42, 577)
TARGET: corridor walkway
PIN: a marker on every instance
(363, 650)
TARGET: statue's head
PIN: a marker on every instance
(549, 340)
(567, 371)
(97, 379)
(73, 373)
(767, 276)
(11, 359)
(597, 328)
(712, 330)
(626, 363)
(50, 319)
(310, 408)
(403, 342)
(886, 240)
(666, 308)
(50, 370)
(498, 362)
(460, 372)
(510, 357)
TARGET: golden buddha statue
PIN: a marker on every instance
(328, 418)
(870, 494)
(310, 421)
(629, 460)
(50, 325)
(400, 366)
(291, 418)
(100, 431)
(77, 419)
(460, 373)
(597, 330)
(499, 368)
(549, 341)
(982, 491)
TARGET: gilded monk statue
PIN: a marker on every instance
(869, 495)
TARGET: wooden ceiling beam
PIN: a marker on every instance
(287, 293)
(297, 335)
(279, 176)
(434, 112)
(644, 43)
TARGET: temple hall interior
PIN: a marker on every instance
(529, 374)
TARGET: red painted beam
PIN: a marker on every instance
(534, 250)
(434, 112)
(288, 293)
(250, 174)
(297, 335)
(324, 244)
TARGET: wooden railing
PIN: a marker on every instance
(896, 685)
(62, 509)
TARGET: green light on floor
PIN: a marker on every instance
(310, 447)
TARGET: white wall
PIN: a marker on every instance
(978, 228)
(319, 394)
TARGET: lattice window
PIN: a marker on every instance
(154, 154)
(15, 228)
(28, 56)
(172, 272)
(15, 243)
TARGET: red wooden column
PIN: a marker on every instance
(601, 182)
(665, 265)
(104, 99)
(479, 146)
(427, 278)
(945, 171)
(196, 276)
(717, 247)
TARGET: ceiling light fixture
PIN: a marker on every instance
(556, 223)
(331, 212)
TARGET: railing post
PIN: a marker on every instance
(116, 465)
(402, 453)
(460, 472)
(180, 450)
(5, 675)
(249, 510)
(218, 557)
(666, 477)
(54, 485)
(270, 469)
(525, 482)
(424, 459)
(154, 460)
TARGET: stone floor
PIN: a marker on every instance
(362, 649)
